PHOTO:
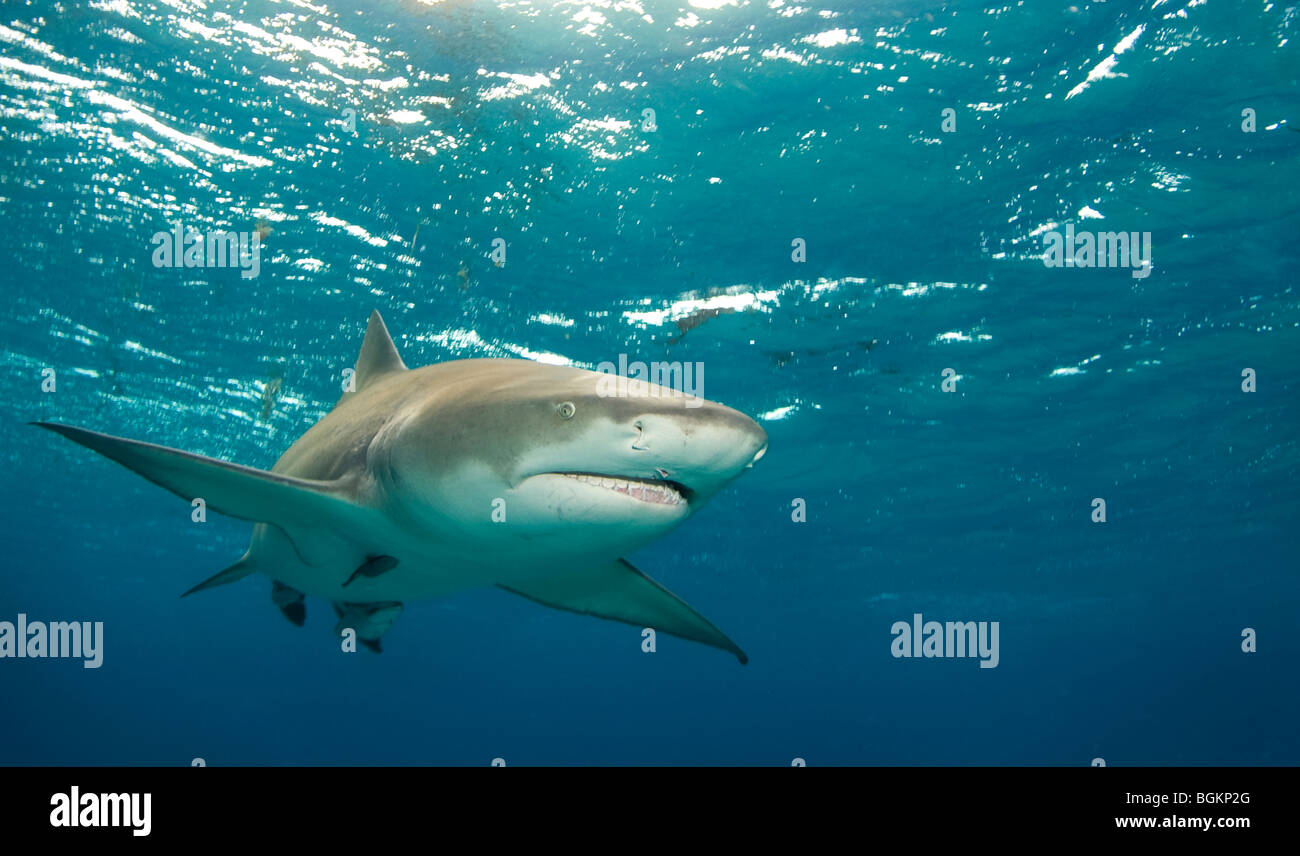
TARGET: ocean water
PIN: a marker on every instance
(943, 405)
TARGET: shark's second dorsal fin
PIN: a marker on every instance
(378, 355)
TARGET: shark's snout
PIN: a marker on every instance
(702, 448)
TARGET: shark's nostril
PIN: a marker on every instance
(640, 436)
(758, 456)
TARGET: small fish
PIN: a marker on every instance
(269, 394)
(695, 319)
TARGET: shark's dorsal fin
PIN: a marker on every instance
(378, 355)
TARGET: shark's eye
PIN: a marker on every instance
(566, 410)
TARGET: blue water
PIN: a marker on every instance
(773, 121)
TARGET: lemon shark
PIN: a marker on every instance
(469, 473)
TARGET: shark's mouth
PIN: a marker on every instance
(654, 492)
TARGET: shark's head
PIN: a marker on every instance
(561, 460)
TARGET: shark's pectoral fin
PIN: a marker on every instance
(237, 571)
(373, 566)
(291, 603)
(369, 620)
(619, 592)
(293, 504)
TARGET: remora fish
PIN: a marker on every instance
(427, 481)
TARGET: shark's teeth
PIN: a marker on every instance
(656, 494)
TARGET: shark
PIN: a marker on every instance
(420, 483)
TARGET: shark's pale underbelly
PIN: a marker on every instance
(421, 571)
